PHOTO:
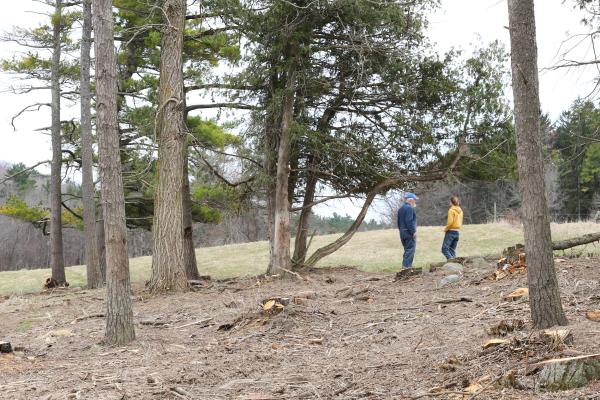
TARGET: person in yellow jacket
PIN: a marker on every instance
(452, 229)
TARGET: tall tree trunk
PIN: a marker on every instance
(544, 295)
(168, 263)
(191, 265)
(94, 276)
(301, 243)
(280, 256)
(57, 259)
(101, 244)
(271, 144)
(119, 313)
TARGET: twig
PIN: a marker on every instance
(179, 392)
(293, 273)
(439, 394)
(345, 388)
(97, 315)
(418, 344)
(200, 322)
(155, 323)
(449, 301)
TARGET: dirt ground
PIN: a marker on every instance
(344, 334)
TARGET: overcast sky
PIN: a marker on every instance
(461, 24)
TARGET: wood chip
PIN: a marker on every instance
(593, 315)
(315, 341)
(517, 294)
(495, 342)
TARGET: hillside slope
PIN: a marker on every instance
(375, 251)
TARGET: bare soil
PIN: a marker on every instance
(344, 334)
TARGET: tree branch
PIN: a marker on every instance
(222, 105)
(8, 178)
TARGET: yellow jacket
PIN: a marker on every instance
(455, 219)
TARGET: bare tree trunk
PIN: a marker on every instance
(544, 295)
(280, 257)
(57, 259)
(119, 313)
(301, 243)
(270, 164)
(94, 276)
(168, 263)
(191, 265)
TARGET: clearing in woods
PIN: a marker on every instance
(374, 251)
(342, 334)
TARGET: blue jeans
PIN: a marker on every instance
(410, 244)
(450, 243)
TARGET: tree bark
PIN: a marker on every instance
(271, 144)
(94, 275)
(568, 373)
(280, 256)
(301, 242)
(119, 313)
(168, 263)
(191, 265)
(101, 244)
(545, 304)
(57, 259)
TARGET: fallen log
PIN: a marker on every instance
(511, 254)
(576, 241)
(568, 373)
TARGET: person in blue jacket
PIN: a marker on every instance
(407, 224)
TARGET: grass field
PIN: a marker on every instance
(370, 251)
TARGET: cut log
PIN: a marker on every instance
(568, 373)
(5, 347)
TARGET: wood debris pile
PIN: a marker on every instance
(513, 261)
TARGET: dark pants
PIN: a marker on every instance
(450, 243)
(410, 244)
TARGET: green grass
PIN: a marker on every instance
(371, 251)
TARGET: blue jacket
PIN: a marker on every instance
(407, 219)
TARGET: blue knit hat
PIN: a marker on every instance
(410, 195)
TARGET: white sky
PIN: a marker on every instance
(462, 24)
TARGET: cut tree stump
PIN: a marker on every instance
(5, 347)
(512, 254)
(568, 373)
